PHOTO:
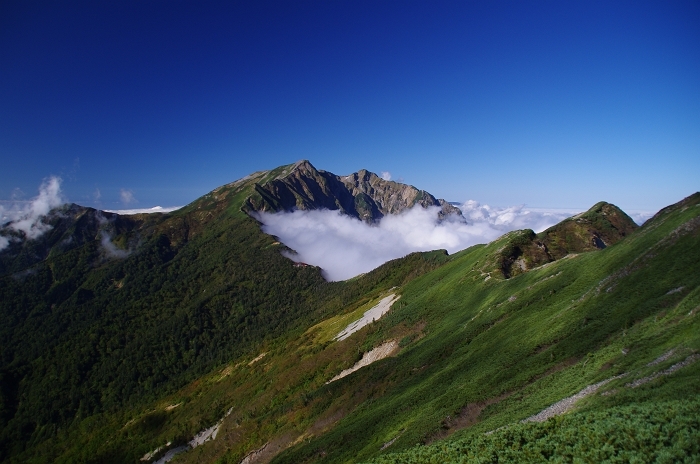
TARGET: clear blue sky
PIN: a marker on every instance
(548, 103)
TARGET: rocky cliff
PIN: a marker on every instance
(363, 195)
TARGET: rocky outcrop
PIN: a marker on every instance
(599, 227)
(363, 195)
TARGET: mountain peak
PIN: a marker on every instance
(363, 194)
(303, 165)
(604, 224)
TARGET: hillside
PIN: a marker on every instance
(192, 329)
(104, 311)
(492, 352)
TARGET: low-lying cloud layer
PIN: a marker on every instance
(26, 217)
(155, 209)
(345, 247)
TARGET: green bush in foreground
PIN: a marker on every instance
(663, 432)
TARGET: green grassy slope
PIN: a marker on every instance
(497, 351)
(477, 353)
(126, 433)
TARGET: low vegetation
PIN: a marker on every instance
(204, 323)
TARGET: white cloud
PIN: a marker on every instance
(155, 209)
(106, 235)
(127, 197)
(514, 217)
(345, 247)
(386, 175)
(110, 248)
(26, 217)
(640, 216)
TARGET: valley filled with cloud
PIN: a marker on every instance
(345, 247)
(342, 246)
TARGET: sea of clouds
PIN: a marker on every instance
(155, 209)
(345, 247)
(342, 246)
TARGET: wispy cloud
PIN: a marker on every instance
(640, 216)
(17, 194)
(386, 175)
(106, 236)
(345, 247)
(127, 197)
(26, 216)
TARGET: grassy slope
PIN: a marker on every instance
(527, 342)
(476, 351)
(480, 352)
(489, 351)
(262, 404)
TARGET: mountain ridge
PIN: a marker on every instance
(201, 321)
(362, 194)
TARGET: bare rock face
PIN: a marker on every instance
(363, 195)
(599, 227)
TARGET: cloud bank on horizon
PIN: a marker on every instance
(345, 247)
(155, 209)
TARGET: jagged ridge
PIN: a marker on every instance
(363, 194)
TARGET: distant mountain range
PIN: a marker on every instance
(124, 338)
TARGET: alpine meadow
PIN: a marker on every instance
(194, 336)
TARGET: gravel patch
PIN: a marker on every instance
(565, 405)
(662, 358)
(369, 316)
(686, 362)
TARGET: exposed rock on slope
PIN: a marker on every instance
(601, 226)
(363, 195)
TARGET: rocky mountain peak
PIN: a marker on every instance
(363, 194)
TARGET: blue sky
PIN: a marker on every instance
(549, 104)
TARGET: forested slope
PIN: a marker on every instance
(106, 311)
